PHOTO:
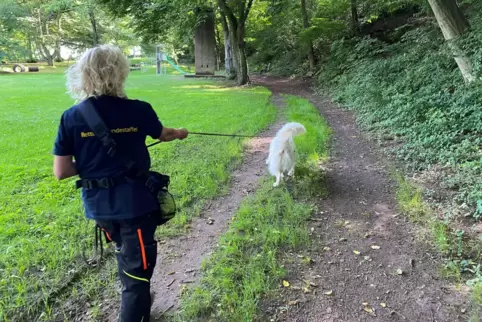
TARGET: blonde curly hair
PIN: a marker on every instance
(101, 70)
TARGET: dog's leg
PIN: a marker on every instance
(278, 179)
(291, 173)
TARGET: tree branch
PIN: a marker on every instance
(246, 13)
(228, 12)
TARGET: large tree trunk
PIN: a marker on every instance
(306, 25)
(228, 50)
(237, 26)
(355, 25)
(243, 77)
(453, 24)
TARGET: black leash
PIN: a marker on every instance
(215, 134)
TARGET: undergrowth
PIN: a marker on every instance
(246, 264)
(413, 92)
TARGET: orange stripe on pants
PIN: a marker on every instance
(143, 251)
(107, 234)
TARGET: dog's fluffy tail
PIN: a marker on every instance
(293, 127)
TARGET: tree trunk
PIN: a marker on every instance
(236, 26)
(29, 48)
(93, 22)
(50, 60)
(228, 50)
(218, 48)
(453, 24)
(354, 18)
(45, 52)
(306, 25)
(243, 77)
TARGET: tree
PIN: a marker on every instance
(237, 14)
(228, 51)
(355, 25)
(453, 25)
(309, 45)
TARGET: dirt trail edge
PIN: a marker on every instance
(368, 265)
(180, 259)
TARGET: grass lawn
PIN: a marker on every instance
(42, 225)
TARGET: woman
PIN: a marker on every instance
(126, 211)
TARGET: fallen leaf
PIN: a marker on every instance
(306, 290)
(313, 284)
(368, 309)
(326, 249)
(365, 303)
(383, 305)
(330, 292)
(286, 283)
(293, 302)
(375, 247)
(399, 272)
(171, 273)
(356, 252)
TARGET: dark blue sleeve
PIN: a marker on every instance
(152, 124)
(64, 145)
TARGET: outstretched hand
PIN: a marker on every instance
(182, 134)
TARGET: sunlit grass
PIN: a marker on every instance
(41, 220)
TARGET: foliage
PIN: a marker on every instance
(32, 29)
(427, 105)
(42, 226)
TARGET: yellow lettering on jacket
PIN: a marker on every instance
(115, 131)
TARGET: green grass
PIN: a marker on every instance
(410, 200)
(42, 224)
(476, 303)
(313, 146)
(248, 262)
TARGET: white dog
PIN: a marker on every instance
(282, 156)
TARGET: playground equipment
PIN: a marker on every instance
(161, 56)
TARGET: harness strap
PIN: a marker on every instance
(100, 183)
(100, 129)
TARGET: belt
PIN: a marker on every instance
(101, 183)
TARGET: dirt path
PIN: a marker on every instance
(360, 215)
(180, 259)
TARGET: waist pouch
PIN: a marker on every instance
(158, 185)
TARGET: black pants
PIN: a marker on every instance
(136, 254)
